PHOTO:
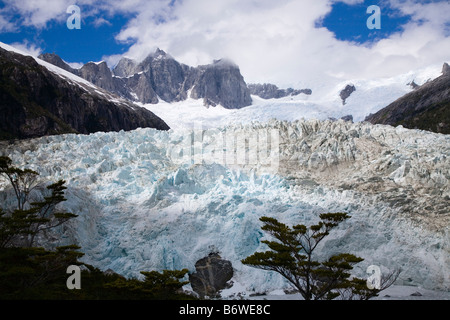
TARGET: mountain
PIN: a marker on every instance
(271, 91)
(426, 108)
(162, 84)
(221, 83)
(160, 77)
(38, 99)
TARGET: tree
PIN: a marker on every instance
(291, 255)
(29, 219)
(22, 181)
(156, 285)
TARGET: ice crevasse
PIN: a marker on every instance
(152, 200)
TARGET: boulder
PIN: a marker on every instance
(212, 275)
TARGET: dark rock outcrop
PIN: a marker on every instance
(413, 84)
(35, 102)
(426, 108)
(445, 69)
(271, 91)
(346, 92)
(57, 61)
(212, 275)
(348, 118)
(99, 74)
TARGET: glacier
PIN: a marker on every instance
(153, 200)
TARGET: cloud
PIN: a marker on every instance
(101, 22)
(28, 48)
(37, 13)
(272, 41)
(279, 41)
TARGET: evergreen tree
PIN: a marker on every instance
(156, 285)
(291, 255)
(23, 224)
(28, 272)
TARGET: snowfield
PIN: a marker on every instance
(152, 200)
(371, 95)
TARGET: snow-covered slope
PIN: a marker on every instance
(371, 95)
(149, 200)
(71, 78)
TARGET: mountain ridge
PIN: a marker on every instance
(160, 77)
(425, 108)
(36, 101)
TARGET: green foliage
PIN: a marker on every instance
(35, 273)
(22, 225)
(291, 255)
(28, 272)
(156, 285)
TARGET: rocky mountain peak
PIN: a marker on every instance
(57, 61)
(160, 53)
(99, 74)
(446, 69)
(125, 68)
(36, 101)
(160, 76)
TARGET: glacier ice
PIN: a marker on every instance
(153, 200)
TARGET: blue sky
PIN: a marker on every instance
(95, 40)
(274, 40)
(90, 43)
(348, 21)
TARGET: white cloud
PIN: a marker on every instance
(101, 22)
(271, 41)
(38, 12)
(277, 41)
(27, 47)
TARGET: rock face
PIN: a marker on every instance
(445, 69)
(57, 61)
(157, 76)
(211, 276)
(426, 108)
(346, 92)
(125, 68)
(160, 76)
(99, 74)
(271, 91)
(35, 102)
(221, 83)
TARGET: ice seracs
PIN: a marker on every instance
(145, 202)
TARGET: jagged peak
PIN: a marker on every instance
(445, 68)
(158, 54)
